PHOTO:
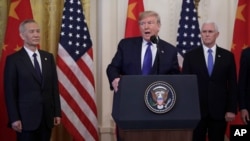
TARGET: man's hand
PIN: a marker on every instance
(244, 116)
(229, 116)
(115, 84)
(17, 126)
(57, 120)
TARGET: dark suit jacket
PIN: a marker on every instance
(218, 92)
(127, 60)
(28, 99)
(244, 80)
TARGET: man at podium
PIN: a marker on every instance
(144, 55)
(133, 54)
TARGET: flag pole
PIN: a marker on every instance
(196, 4)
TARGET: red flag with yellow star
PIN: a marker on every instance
(19, 11)
(241, 36)
(135, 7)
(241, 40)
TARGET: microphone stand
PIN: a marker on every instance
(158, 59)
(154, 39)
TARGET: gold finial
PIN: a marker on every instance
(196, 4)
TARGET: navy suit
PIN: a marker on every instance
(244, 80)
(218, 92)
(28, 99)
(127, 60)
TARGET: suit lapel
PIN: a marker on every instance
(159, 51)
(202, 61)
(44, 62)
(28, 63)
(138, 48)
(218, 59)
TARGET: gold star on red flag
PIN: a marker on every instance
(135, 7)
(17, 48)
(130, 13)
(239, 14)
(13, 7)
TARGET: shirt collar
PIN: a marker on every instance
(30, 53)
(205, 48)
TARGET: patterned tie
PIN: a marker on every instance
(37, 67)
(210, 62)
(147, 62)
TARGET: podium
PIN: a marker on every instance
(137, 121)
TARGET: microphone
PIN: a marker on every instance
(154, 39)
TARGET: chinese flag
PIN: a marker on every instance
(241, 36)
(241, 40)
(135, 7)
(19, 10)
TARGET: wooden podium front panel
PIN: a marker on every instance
(156, 135)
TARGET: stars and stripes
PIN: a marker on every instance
(188, 36)
(75, 74)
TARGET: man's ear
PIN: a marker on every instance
(21, 35)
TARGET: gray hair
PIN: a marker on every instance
(211, 22)
(23, 23)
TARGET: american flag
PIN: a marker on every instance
(75, 74)
(188, 36)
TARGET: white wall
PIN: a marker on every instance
(108, 26)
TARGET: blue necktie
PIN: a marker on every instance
(37, 67)
(210, 62)
(147, 62)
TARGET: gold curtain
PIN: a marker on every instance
(48, 14)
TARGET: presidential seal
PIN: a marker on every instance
(160, 97)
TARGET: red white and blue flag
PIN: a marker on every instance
(75, 74)
(188, 36)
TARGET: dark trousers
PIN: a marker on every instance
(43, 133)
(214, 129)
(118, 138)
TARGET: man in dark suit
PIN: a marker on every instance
(244, 86)
(130, 55)
(32, 96)
(217, 89)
